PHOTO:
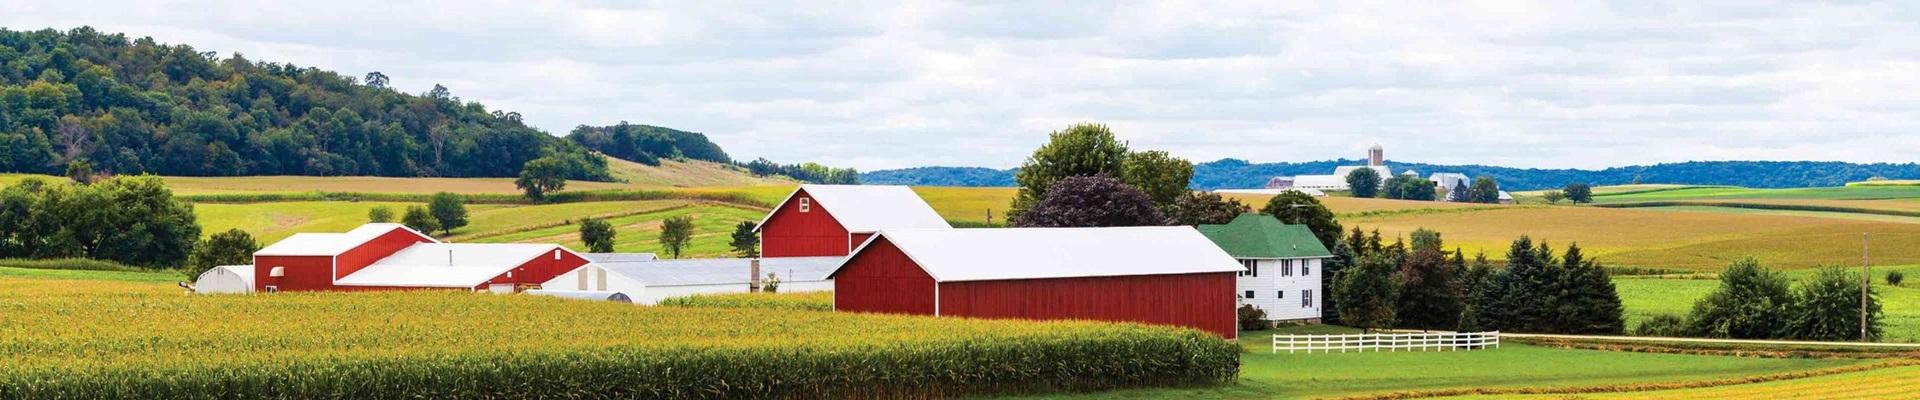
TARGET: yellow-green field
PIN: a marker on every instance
(712, 231)
(269, 222)
(1877, 383)
(670, 174)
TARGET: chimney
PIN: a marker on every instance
(753, 281)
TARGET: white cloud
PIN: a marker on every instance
(894, 84)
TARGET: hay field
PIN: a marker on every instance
(1645, 297)
(1663, 239)
(712, 231)
(1858, 192)
(1876, 383)
(970, 204)
(269, 222)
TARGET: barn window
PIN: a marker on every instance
(806, 204)
(273, 289)
(1249, 294)
(556, 255)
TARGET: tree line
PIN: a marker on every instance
(647, 144)
(137, 106)
(1419, 285)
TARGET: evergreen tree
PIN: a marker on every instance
(1520, 297)
(1429, 297)
(746, 242)
(1588, 302)
(1367, 294)
(1331, 273)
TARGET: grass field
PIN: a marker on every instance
(971, 204)
(1279, 376)
(1877, 383)
(712, 227)
(670, 173)
(270, 222)
(1857, 192)
(1646, 297)
(1663, 239)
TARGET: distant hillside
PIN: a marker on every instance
(940, 176)
(647, 144)
(1232, 173)
(139, 106)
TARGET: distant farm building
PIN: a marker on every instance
(829, 220)
(648, 282)
(391, 256)
(1155, 275)
(1280, 265)
(225, 279)
(1376, 161)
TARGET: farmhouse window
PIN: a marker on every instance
(1280, 295)
(1306, 299)
(1249, 294)
(1252, 266)
(1303, 268)
(806, 204)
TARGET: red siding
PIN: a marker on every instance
(859, 238)
(380, 247)
(540, 269)
(1199, 301)
(882, 279)
(301, 273)
(791, 233)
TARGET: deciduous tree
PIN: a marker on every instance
(1579, 192)
(419, 219)
(675, 232)
(1079, 150)
(232, 247)
(1364, 182)
(540, 177)
(1091, 201)
(449, 211)
(1752, 302)
(1298, 208)
(1827, 307)
(1198, 208)
(597, 234)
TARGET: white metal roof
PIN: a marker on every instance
(619, 257)
(721, 271)
(245, 272)
(446, 264)
(330, 244)
(871, 208)
(951, 255)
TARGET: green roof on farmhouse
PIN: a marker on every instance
(1262, 236)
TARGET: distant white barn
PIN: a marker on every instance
(225, 279)
(649, 282)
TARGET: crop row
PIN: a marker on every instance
(97, 339)
(809, 301)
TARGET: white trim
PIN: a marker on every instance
(936, 299)
(875, 238)
(776, 209)
(806, 204)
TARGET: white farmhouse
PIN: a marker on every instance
(648, 282)
(1283, 275)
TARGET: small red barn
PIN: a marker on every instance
(829, 220)
(1154, 275)
(391, 256)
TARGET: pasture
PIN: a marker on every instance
(640, 233)
(1277, 376)
(1854, 192)
(1644, 297)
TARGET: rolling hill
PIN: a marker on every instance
(1233, 173)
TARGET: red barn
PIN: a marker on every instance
(391, 256)
(829, 220)
(1155, 275)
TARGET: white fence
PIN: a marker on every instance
(1433, 341)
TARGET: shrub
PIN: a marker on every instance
(380, 214)
(1827, 307)
(1253, 318)
(1664, 325)
(1895, 277)
(809, 301)
(1751, 303)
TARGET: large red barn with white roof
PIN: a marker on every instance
(830, 220)
(1154, 275)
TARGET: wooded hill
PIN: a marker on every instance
(1234, 173)
(647, 144)
(139, 106)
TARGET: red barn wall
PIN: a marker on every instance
(1199, 301)
(301, 273)
(882, 279)
(791, 233)
(859, 238)
(380, 247)
(540, 269)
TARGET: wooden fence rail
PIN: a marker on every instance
(1430, 341)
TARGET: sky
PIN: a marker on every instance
(891, 84)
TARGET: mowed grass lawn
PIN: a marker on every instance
(1879, 383)
(1285, 376)
(1646, 297)
(1662, 239)
(712, 231)
(270, 222)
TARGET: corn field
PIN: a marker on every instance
(812, 301)
(101, 339)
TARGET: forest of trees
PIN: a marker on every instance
(129, 106)
(805, 172)
(647, 144)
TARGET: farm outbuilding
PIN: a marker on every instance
(225, 279)
(829, 220)
(1155, 275)
(649, 282)
(391, 256)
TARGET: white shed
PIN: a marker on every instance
(648, 282)
(225, 279)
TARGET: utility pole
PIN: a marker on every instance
(989, 218)
(1864, 279)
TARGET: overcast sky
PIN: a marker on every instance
(905, 83)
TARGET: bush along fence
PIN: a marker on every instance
(1358, 342)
